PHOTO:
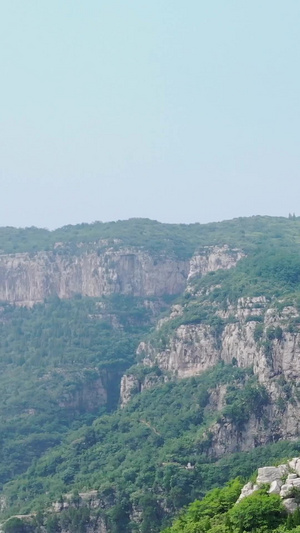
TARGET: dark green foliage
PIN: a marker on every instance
(138, 456)
(15, 525)
(241, 404)
(273, 333)
(260, 510)
(267, 271)
(51, 357)
(74, 520)
(52, 524)
(218, 512)
(178, 239)
(146, 445)
(254, 318)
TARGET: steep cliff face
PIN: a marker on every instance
(26, 279)
(254, 335)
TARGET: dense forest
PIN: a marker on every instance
(63, 433)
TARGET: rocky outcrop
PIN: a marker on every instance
(90, 500)
(283, 480)
(192, 350)
(27, 278)
(129, 386)
(132, 384)
(266, 344)
(214, 258)
(254, 335)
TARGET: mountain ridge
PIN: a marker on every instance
(222, 301)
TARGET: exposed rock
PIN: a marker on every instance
(3, 503)
(288, 486)
(191, 351)
(214, 258)
(194, 348)
(290, 504)
(294, 464)
(274, 476)
(225, 437)
(268, 474)
(275, 486)
(292, 476)
(88, 398)
(129, 385)
(247, 490)
(26, 279)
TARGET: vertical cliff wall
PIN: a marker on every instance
(26, 279)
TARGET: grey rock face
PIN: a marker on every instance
(268, 474)
(192, 349)
(274, 477)
(129, 385)
(214, 258)
(26, 279)
(275, 486)
(294, 464)
(290, 504)
(247, 490)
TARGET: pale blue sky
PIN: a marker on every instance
(179, 111)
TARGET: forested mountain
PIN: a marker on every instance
(143, 364)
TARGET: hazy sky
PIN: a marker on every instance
(176, 110)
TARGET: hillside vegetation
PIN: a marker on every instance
(137, 458)
(178, 239)
(60, 367)
(62, 431)
(218, 512)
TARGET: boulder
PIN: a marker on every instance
(290, 505)
(268, 474)
(275, 486)
(292, 476)
(294, 464)
(247, 490)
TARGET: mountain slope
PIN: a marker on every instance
(217, 305)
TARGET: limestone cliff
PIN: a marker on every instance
(211, 259)
(26, 279)
(256, 335)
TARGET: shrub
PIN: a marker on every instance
(260, 510)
